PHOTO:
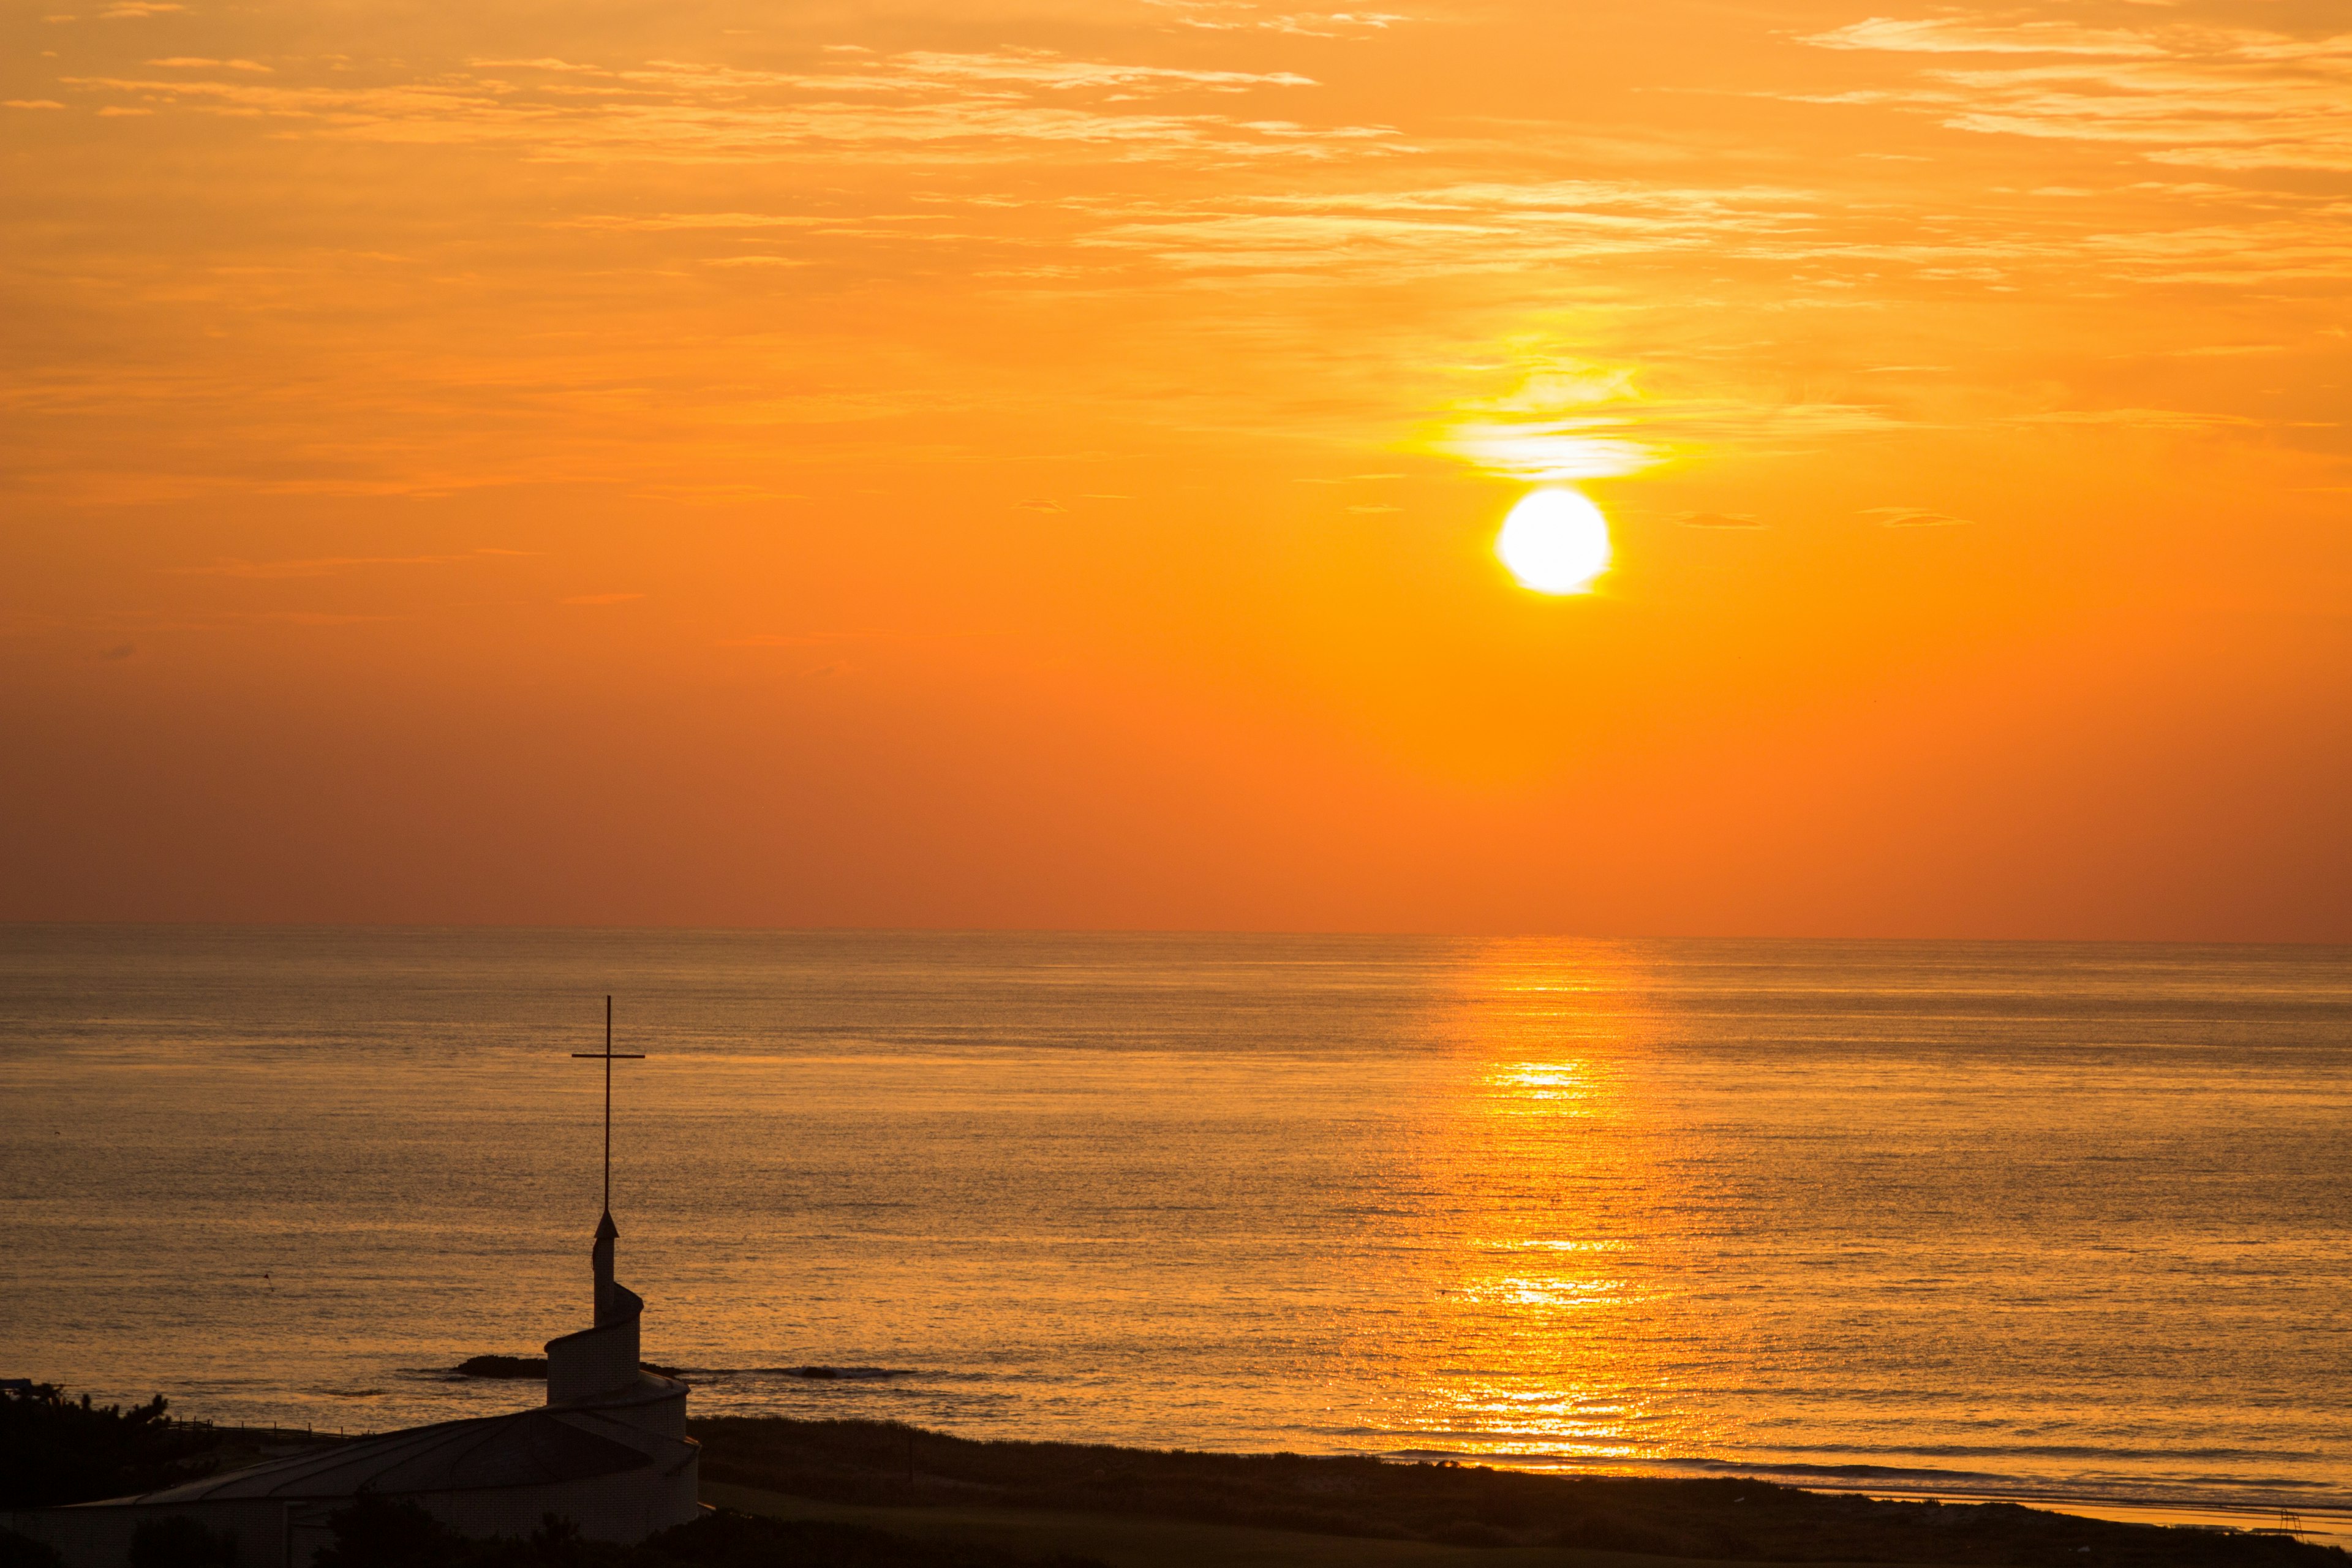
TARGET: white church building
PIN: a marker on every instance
(607, 1451)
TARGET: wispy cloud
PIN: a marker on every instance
(1583, 422)
(2137, 418)
(1965, 36)
(664, 222)
(1224, 187)
(1913, 517)
(1043, 67)
(942, 106)
(2181, 94)
(192, 62)
(1405, 232)
(1400, 233)
(1242, 16)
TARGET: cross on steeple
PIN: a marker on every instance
(608, 1058)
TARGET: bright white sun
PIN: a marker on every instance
(1555, 542)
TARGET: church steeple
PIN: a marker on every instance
(607, 1303)
(600, 1362)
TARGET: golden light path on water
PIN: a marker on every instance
(1543, 1106)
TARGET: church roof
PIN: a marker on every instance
(530, 1447)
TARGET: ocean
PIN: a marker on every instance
(2019, 1220)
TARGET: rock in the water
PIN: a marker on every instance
(503, 1366)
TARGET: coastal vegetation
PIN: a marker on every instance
(56, 1450)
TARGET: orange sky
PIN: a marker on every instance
(1037, 465)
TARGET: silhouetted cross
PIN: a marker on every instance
(608, 1058)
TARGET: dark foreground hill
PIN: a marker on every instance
(871, 1463)
(54, 1450)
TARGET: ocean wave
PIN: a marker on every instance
(1855, 1470)
(810, 1373)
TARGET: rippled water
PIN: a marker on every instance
(1992, 1217)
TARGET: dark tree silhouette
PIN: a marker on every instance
(57, 1450)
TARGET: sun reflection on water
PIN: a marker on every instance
(1535, 1089)
(1551, 1338)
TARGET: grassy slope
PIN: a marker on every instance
(1127, 1542)
(1368, 1511)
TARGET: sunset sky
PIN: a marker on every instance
(911, 464)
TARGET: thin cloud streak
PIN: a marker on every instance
(984, 107)
(2183, 95)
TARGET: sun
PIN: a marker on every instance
(1555, 542)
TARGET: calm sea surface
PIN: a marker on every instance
(1960, 1217)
